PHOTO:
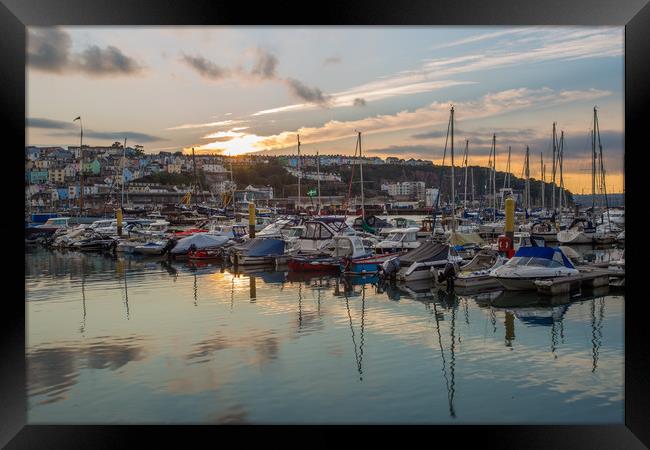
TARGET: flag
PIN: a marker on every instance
(78, 118)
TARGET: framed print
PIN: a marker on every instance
(407, 215)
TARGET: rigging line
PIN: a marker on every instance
(354, 342)
(442, 352)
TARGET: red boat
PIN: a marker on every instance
(206, 253)
(314, 264)
(189, 232)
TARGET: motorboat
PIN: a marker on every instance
(258, 251)
(476, 273)
(198, 241)
(51, 226)
(545, 230)
(94, 241)
(581, 231)
(157, 247)
(399, 240)
(530, 264)
(338, 255)
(422, 262)
(319, 233)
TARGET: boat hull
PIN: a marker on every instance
(313, 266)
(569, 237)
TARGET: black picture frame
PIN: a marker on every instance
(15, 15)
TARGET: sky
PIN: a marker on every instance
(236, 90)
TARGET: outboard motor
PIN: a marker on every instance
(388, 269)
(448, 275)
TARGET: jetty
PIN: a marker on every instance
(589, 278)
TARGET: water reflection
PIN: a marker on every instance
(53, 370)
(281, 354)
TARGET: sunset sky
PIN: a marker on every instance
(242, 89)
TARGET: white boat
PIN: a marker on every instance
(531, 264)
(422, 263)
(319, 233)
(621, 237)
(617, 270)
(545, 230)
(399, 240)
(476, 273)
(152, 247)
(581, 231)
(491, 228)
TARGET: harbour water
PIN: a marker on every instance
(142, 340)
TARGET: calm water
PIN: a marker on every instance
(144, 341)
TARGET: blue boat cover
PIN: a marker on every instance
(545, 253)
(266, 247)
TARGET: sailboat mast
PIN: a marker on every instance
(123, 165)
(553, 170)
(453, 180)
(363, 208)
(527, 169)
(561, 163)
(494, 176)
(506, 178)
(541, 163)
(593, 165)
(471, 173)
(299, 173)
(602, 170)
(465, 163)
(318, 180)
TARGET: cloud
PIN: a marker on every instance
(332, 60)
(49, 50)
(264, 68)
(549, 44)
(265, 65)
(205, 68)
(359, 102)
(306, 93)
(205, 125)
(37, 122)
(70, 129)
(108, 61)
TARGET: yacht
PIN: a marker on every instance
(581, 231)
(399, 240)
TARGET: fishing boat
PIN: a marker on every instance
(530, 264)
(581, 231)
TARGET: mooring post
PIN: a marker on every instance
(251, 219)
(119, 222)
